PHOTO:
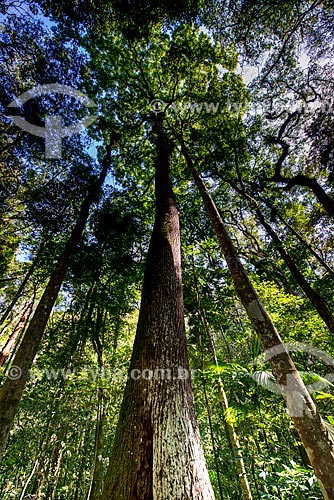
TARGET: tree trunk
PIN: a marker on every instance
(301, 408)
(29, 479)
(301, 239)
(96, 484)
(157, 454)
(8, 347)
(13, 387)
(56, 474)
(24, 282)
(310, 182)
(83, 449)
(232, 436)
(215, 445)
(311, 294)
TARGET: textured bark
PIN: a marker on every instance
(12, 389)
(157, 453)
(311, 294)
(310, 426)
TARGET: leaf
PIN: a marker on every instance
(311, 378)
(330, 429)
(256, 345)
(264, 378)
(323, 395)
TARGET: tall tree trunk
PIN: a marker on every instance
(96, 483)
(310, 293)
(275, 214)
(13, 387)
(310, 426)
(77, 487)
(157, 454)
(56, 474)
(232, 436)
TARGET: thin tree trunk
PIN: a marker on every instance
(243, 193)
(56, 474)
(13, 387)
(231, 433)
(8, 347)
(302, 240)
(84, 443)
(311, 294)
(24, 282)
(215, 447)
(157, 454)
(310, 426)
(28, 480)
(96, 483)
(307, 245)
(236, 448)
(11, 323)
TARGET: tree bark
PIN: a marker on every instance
(157, 454)
(311, 294)
(13, 387)
(310, 426)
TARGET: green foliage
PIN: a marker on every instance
(125, 55)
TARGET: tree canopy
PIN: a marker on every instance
(166, 300)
